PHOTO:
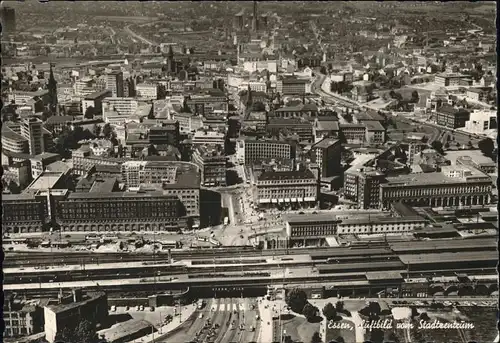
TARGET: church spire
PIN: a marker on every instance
(249, 98)
(52, 88)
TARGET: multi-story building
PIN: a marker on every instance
(451, 117)
(146, 91)
(318, 226)
(362, 185)
(95, 100)
(135, 173)
(301, 127)
(327, 154)
(415, 142)
(25, 212)
(92, 307)
(58, 123)
(481, 121)
(22, 318)
(13, 141)
(482, 163)
(375, 132)
(121, 106)
(207, 103)
(249, 151)
(208, 137)
(212, 163)
(114, 82)
(258, 86)
(287, 188)
(119, 211)
(18, 173)
(32, 130)
(188, 122)
(22, 97)
(83, 160)
(300, 111)
(167, 133)
(352, 133)
(446, 80)
(453, 186)
(39, 162)
(293, 86)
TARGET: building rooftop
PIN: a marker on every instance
(287, 175)
(435, 178)
(46, 180)
(46, 156)
(373, 126)
(65, 307)
(388, 275)
(104, 195)
(447, 257)
(432, 245)
(475, 155)
(97, 95)
(327, 125)
(103, 185)
(325, 143)
(10, 134)
(59, 120)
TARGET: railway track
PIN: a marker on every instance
(18, 259)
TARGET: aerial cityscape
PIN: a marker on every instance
(249, 171)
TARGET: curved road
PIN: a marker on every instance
(139, 37)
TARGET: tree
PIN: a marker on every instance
(487, 146)
(258, 106)
(414, 96)
(90, 112)
(309, 311)
(323, 70)
(97, 130)
(86, 332)
(296, 299)
(329, 311)
(339, 306)
(114, 139)
(316, 338)
(446, 145)
(107, 130)
(438, 146)
(162, 92)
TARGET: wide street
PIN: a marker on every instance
(221, 320)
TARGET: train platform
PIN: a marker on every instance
(89, 267)
(276, 261)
